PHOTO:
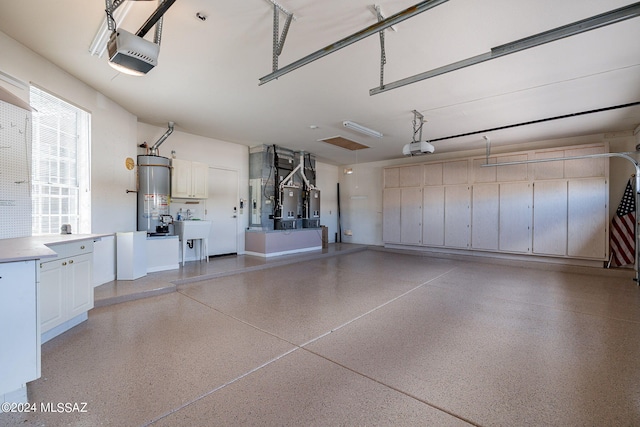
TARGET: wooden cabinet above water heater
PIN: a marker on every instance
(189, 179)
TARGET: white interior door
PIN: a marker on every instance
(222, 211)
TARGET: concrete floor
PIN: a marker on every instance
(369, 337)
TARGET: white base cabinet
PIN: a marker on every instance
(66, 289)
(588, 218)
(131, 253)
(391, 202)
(550, 219)
(515, 217)
(163, 253)
(20, 357)
(402, 209)
(457, 208)
(433, 216)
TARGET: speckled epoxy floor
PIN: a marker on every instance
(367, 338)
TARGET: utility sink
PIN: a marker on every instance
(188, 230)
(193, 230)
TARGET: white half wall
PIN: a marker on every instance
(104, 252)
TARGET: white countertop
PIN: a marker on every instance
(36, 247)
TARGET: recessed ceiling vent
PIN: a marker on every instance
(342, 142)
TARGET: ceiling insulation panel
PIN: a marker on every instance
(342, 142)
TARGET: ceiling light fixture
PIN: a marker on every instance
(362, 129)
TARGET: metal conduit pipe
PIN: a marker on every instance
(154, 150)
(304, 177)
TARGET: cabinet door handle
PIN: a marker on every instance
(70, 261)
(82, 247)
(64, 263)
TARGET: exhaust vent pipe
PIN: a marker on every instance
(154, 150)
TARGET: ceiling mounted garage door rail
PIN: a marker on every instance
(369, 31)
(597, 21)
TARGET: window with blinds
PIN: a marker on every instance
(60, 165)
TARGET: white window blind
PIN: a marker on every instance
(60, 165)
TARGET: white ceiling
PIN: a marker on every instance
(208, 72)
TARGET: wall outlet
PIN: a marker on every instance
(348, 233)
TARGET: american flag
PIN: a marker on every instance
(622, 239)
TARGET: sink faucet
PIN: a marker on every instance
(188, 213)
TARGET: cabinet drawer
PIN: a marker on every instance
(65, 250)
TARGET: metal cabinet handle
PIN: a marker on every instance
(82, 247)
(64, 263)
(70, 261)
